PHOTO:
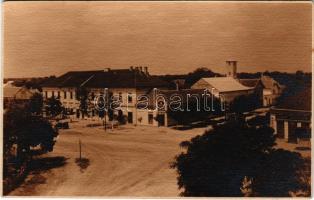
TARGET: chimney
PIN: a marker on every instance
(146, 70)
(107, 69)
(177, 85)
(232, 68)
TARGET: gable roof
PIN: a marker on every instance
(118, 78)
(269, 82)
(18, 92)
(10, 92)
(225, 84)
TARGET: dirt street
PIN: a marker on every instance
(128, 161)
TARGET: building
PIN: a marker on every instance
(125, 85)
(291, 119)
(226, 88)
(17, 94)
(267, 89)
(272, 90)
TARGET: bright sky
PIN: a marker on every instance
(51, 38)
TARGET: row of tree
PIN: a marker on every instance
(25, 133)
(235, 160)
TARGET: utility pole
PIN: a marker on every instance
(105, 109)
(80, 149)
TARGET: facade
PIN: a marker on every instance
(292, 118)
(272, 90)
(125, 85)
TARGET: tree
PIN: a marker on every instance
(220, 161)
(36, 104)
(82, 95)
(185, 116)
(53, 107)
(244, 103)
(199, 73)
(26, 130)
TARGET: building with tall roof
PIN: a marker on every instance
(266, 87)
(124, 84)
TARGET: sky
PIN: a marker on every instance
(51, 38)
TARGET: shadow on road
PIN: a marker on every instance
(83, 163)
(46, 163)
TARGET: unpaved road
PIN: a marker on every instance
(129, 161)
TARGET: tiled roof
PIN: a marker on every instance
(118, 78)
(225, 84)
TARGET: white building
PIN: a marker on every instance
(126, 85)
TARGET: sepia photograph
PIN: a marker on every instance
(156, 99)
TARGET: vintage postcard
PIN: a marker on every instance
(157, 98)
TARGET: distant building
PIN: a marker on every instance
(272, 90)
(226, 87)
(16, 94)
(125, 84)
(267, 89)
(291, 119)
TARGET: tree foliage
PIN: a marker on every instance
(218, 162)
(36, 104)
(199, 73)
(244, 103)
(53, 107)
(26, 130)
(82, 95)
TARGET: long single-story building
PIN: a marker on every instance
(291, 119)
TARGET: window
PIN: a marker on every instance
(64, 94)
(58, 94)
(53, 94)
(71, 95)
(130, 98)
(46, 94)
(120, 96)
(150, 118)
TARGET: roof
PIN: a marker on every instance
(249, 82)
(18, 92)
(118, 78)
(10, 92)
(300, 101)
(225, 84)
(269, 82)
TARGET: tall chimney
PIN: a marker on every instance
(232, 68)
(146, 70)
